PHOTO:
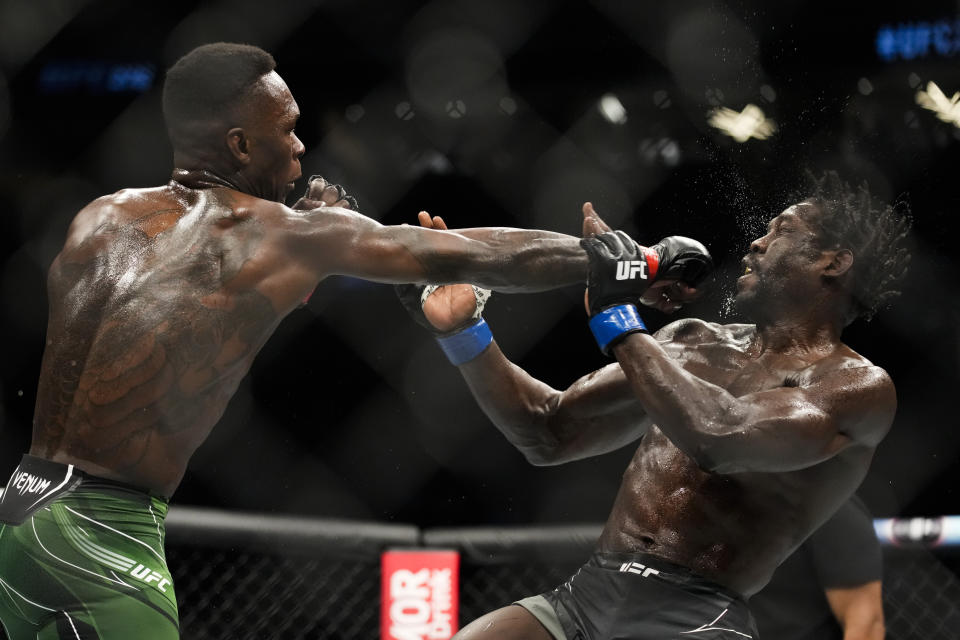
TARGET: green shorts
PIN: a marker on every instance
(89, 565)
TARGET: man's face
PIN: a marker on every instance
(780, 267)
(273, 146)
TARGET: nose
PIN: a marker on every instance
(759, 245)
(298, 148)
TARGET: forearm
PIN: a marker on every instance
(515, 402)
(859, 610)
(595, 415)
(781, 428)
(695, 414)
(332, 241)
(872, 630)
(516, 260)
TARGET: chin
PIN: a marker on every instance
(744, 302)
(279, 195)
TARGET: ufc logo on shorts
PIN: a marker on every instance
(149, 575)
(628, 269)
(640, 569)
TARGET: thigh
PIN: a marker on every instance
(60, 581)
(120, 618)
(509, 623)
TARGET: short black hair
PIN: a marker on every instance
(876, 232)
(206, 82)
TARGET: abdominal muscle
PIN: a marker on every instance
(731, 528)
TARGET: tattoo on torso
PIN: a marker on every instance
(147, 341)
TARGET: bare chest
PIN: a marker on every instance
(731, 366)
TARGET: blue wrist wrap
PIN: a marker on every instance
(467, 344)
(613, 323)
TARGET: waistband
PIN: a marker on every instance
(38, 481)
(649, 565)
(87, 480)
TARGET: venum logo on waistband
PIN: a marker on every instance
(28, 483)
(636, 567)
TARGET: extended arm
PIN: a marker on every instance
(859, 610)
(594, 415)
(782, 429)
(339, 241)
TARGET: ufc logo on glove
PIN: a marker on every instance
(628, 269)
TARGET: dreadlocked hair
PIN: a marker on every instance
(875, 232)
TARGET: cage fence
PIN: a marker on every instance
(250, 576)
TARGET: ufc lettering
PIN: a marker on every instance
(639, 569)
(149, 575)
(628, 269)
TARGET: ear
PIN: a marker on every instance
(840, 262)
(239, 145)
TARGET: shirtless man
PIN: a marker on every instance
(159, 301)
(752, 435)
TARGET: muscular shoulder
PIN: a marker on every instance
(846, 363)
(108, 213)
(322, 233)
(692, 331)
(113, 207)
(860, 391)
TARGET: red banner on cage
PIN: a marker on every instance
(420, 595)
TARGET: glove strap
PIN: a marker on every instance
(613, 323)
(465, 345)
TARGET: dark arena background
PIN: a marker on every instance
(680, 117)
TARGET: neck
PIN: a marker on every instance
(203, 179)
(814, 329)
(200, 168)
(796, 339)
(209, 175)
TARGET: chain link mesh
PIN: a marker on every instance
(246, 595)
(921, 598)
(240, 595)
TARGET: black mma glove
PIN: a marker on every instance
(621, 270)
(319, 193)
(682, 259)
(462, 344)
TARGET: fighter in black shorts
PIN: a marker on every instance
(751, 435)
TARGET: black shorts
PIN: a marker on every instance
(637, 596)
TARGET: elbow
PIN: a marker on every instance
(542, 444)
(719, 445)
(713, 455)
(542, 455)
(706, 459)
(877, 629)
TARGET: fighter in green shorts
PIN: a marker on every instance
(87, 560)
(159, 301)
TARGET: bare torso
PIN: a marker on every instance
(161, 298)
(734, 528)
(158, 303)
